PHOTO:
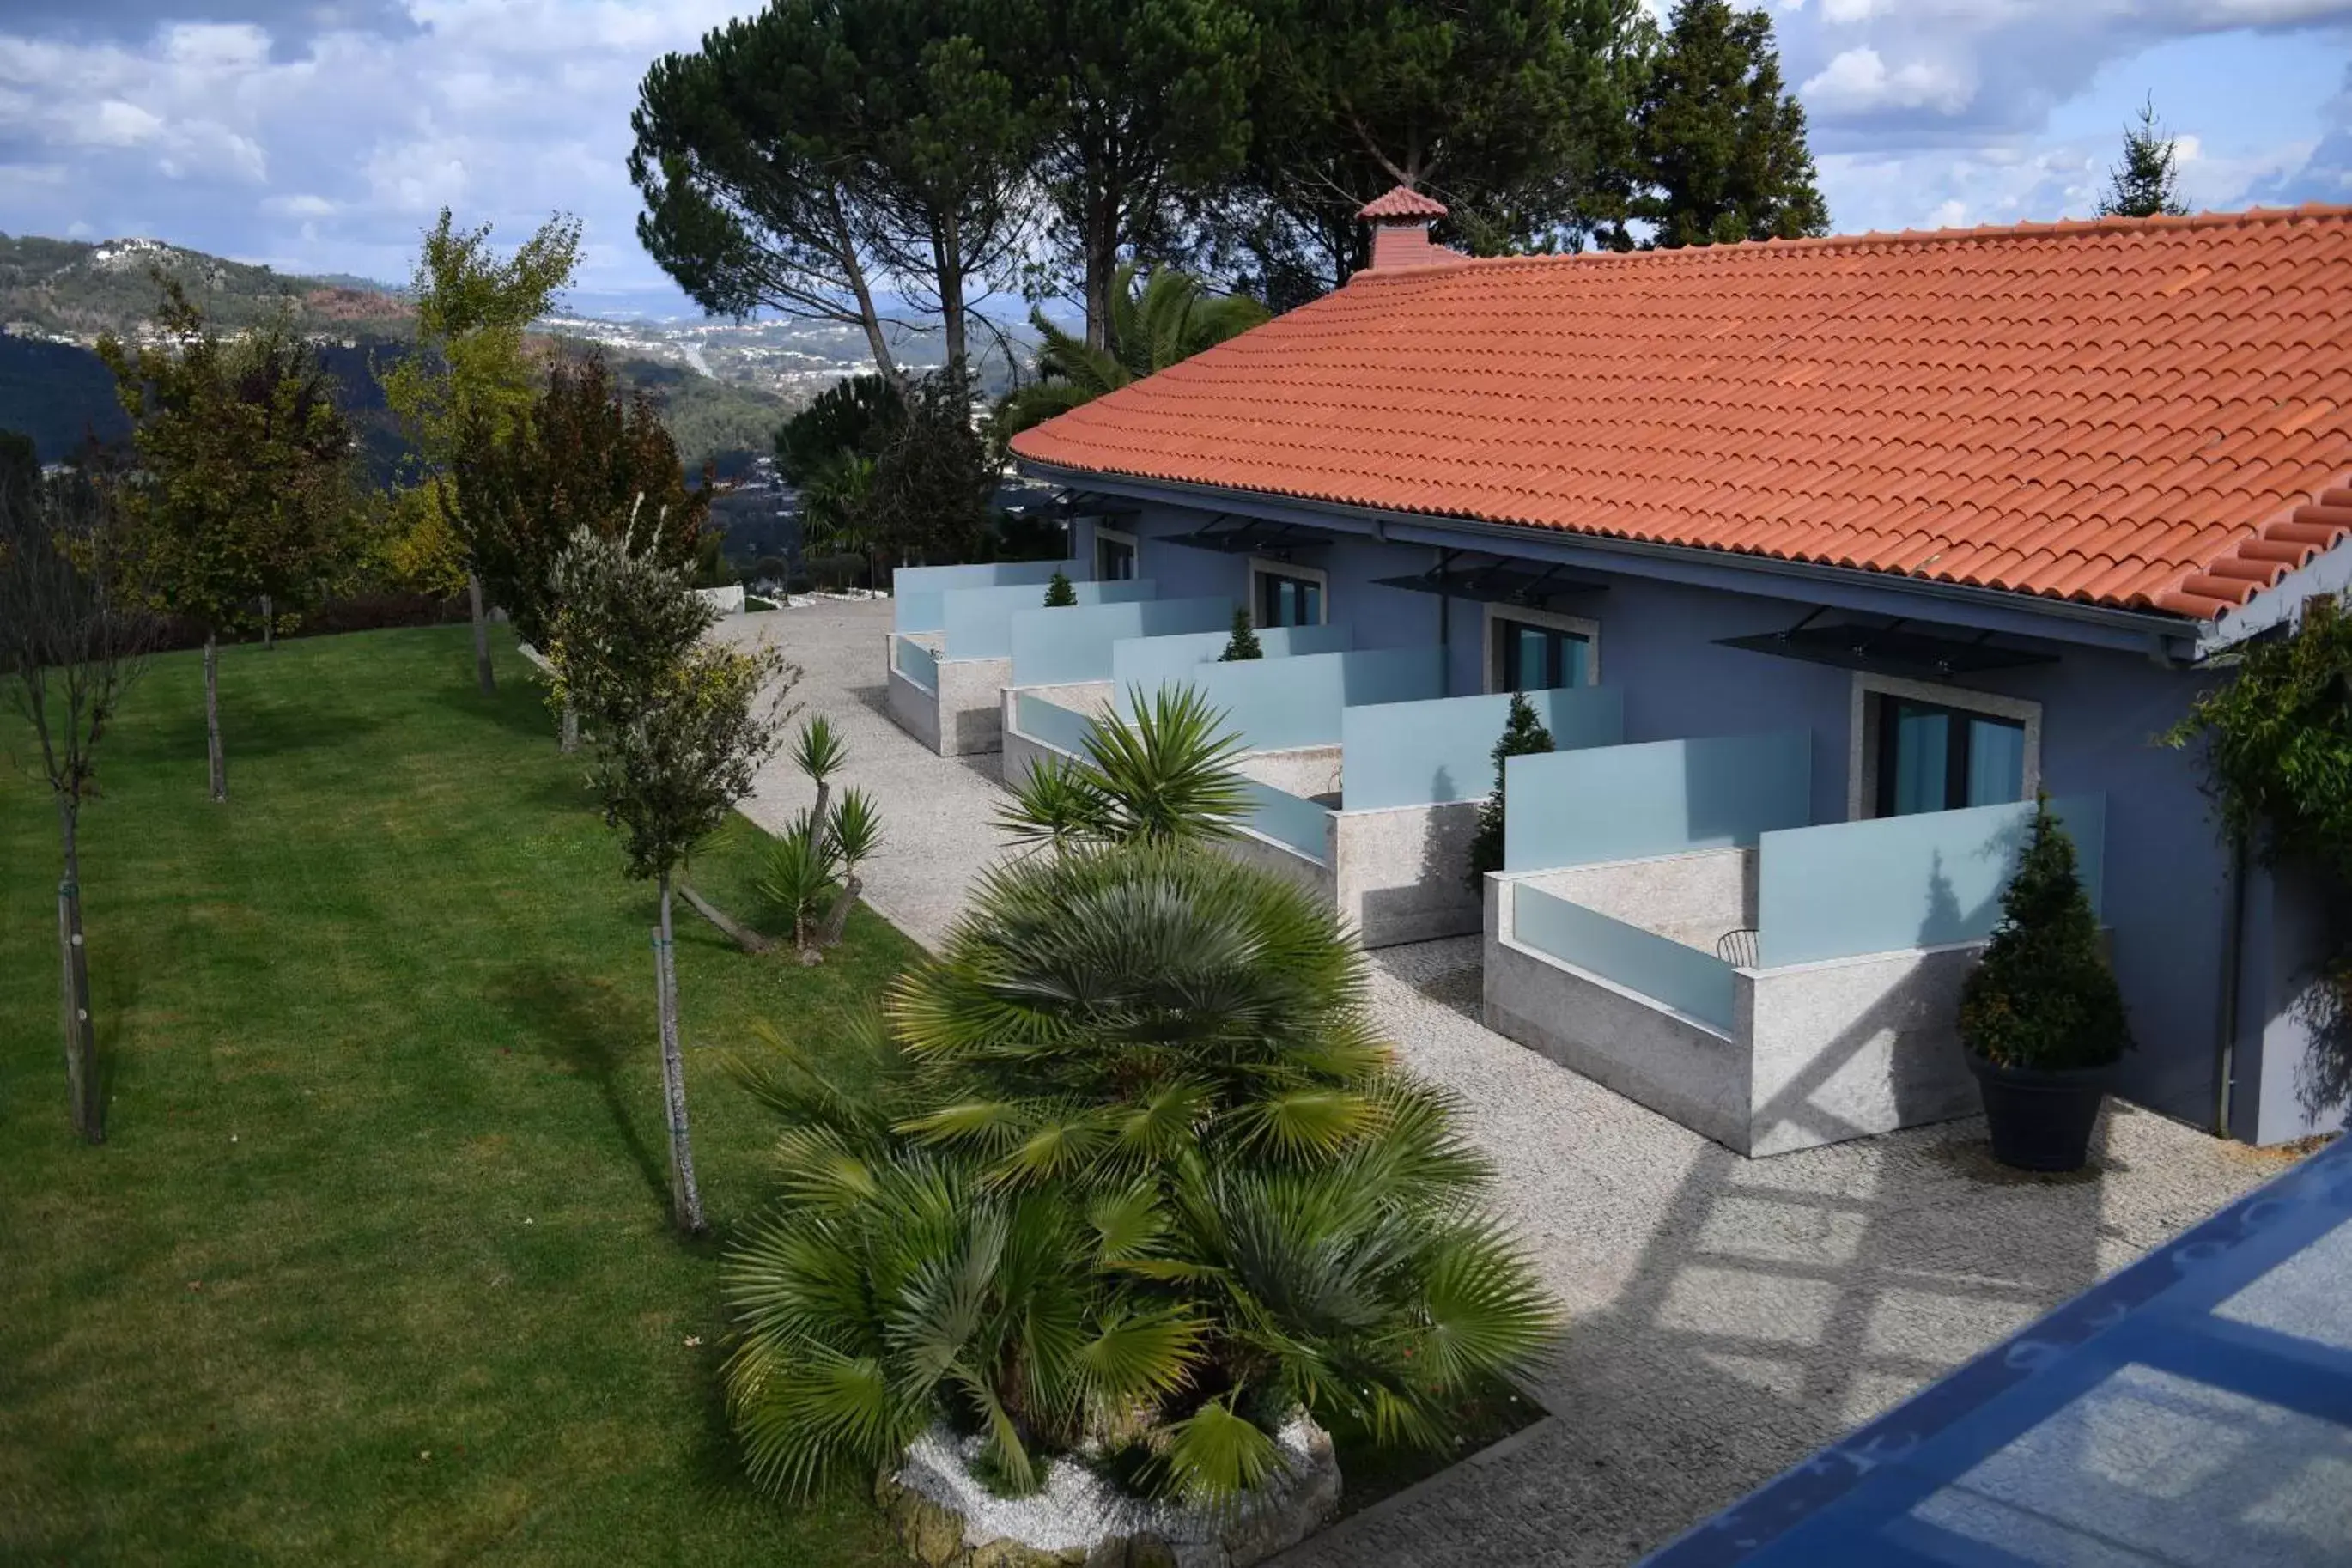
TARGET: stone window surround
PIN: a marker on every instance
(1861, 730)
(1590, 630)
(1259, 566)
(1117, 536)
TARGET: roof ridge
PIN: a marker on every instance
(1885, 239)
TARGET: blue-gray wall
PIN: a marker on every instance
(2167, 877)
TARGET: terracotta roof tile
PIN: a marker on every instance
(1402, 201)
(2141, 414)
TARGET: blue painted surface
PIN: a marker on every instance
(1064, 728)
(1281, 704)
(1149, 663)
(1668, 797)
(2168, 881)
(2194, 1409)
(1290, 820)
(1420, 753)
(1697, 984)
(1053, 648)
(916, 662)
(1925, 880)
(915, 591)
(979, 621)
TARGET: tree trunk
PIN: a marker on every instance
(84, 1101)
(212, 752)
(749, 941)
(836, 919)
(269, 624)
(686, 1198)
(483, 675)
(569, 741)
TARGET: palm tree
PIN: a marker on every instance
(838, 512)
(1171, 318)
(1165, 775)
(1127, 1166)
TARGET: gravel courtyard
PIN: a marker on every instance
(1727, 1315)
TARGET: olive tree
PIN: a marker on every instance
(679, 729)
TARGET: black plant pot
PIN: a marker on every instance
(2041, 1119)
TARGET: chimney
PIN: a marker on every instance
(1400, 221)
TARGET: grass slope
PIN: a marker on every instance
(376, 1266)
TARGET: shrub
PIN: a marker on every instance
(2043, 997)
(1165, 775)
(1242, 644)
(1134, 1173)
(1059, 594)
(1523, 736)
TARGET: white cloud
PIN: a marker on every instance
(120, 124)
(1858, 82)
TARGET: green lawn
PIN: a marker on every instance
(375, 1267)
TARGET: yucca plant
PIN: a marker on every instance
(1164, 776)
(1127, 1170)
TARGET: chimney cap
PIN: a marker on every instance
(1401, 205)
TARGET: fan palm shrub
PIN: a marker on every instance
(1164, 320)
(1126, 1172)
(1165, 775)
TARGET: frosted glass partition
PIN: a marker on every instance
(1697, 984)
(1626, 803)
(1423, 754)
(979, 620)
(1289, 820)
(1064, 728)
(1278, 704)
(1898, 882)
(916, 662)
(1149, 663)
(1050, 647)
(915, 591)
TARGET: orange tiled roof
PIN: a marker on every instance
(2149, 413)
(1402, 201)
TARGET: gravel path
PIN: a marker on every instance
(1728, 1316)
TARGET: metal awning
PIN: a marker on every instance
(1499, 582)
(1252, 536)
(1898, 648)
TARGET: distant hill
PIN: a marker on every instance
(58, 297)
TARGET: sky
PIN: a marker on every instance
(322, 135)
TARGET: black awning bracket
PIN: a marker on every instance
(1499, 581)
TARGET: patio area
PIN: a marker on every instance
(1728, 1316)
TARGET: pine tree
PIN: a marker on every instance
(2043, 997)
(1059, 594)
(1720, 148)
(1244, 642)
(2146, 182)
(1523, 736)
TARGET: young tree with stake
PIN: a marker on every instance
(681, 730)
(73, 639)
(245, 465)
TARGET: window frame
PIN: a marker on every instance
(1490, 656)
(1865, 744)
(1117, 536)
(1260, 569)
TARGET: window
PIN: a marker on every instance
(1531, 650)
(1932, 758)
(1286, 597)
(1113, 555)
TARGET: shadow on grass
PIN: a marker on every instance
(247, 732)
(575, 1026)
(519, 704)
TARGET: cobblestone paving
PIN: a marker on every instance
(1727, 1316)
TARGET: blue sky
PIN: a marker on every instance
(321, 135)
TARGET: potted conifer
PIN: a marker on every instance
(1059, 594)
(2041, 1017)
(1243, 643)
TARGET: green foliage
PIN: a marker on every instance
(1153, 324)
(810, 880)
(1720, 148)
(1059, 594)
(681, 727)
(853, 417)
(1523, 736)
(1242, 644)
(244, 464)
(1135, 1170)
(20, 464)
(2043, 997)
(2146, 184)
(583, 457)
(932, 483)
(1164, 776)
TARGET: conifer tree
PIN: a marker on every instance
(1059, 594)
(1244, 642)
(2043, 997)
(1523, 736)
(1719, 147)
(2146, 182)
